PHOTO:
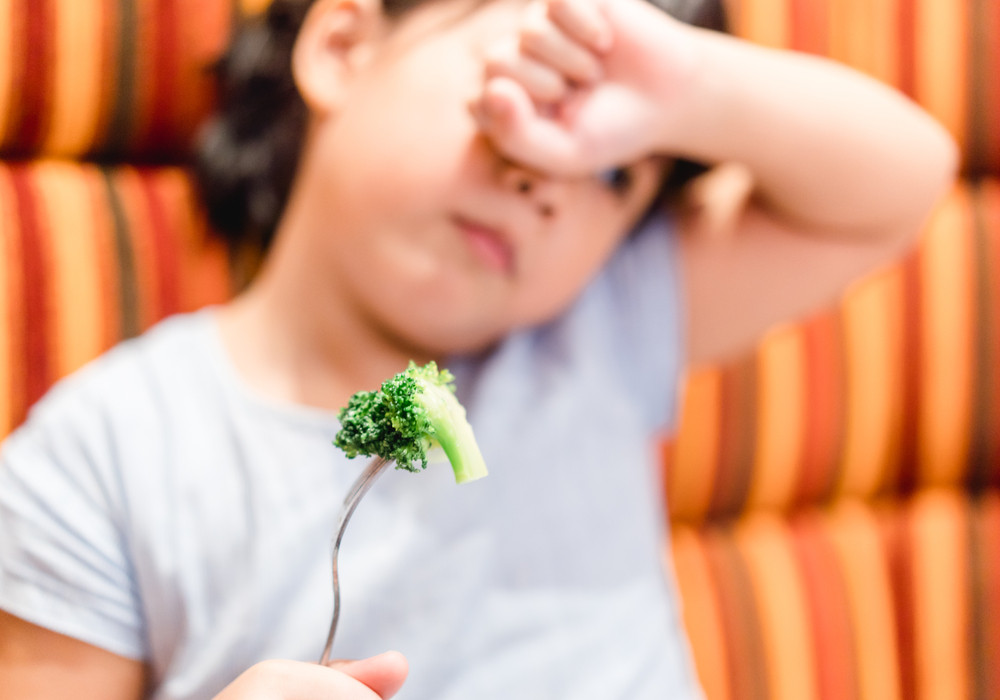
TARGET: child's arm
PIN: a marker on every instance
(844, 169)
(39, 664)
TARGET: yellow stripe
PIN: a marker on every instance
(696, 448)
(780, 418)
(77, 77)
(75, 281)
(942, 63)
(765, 22)
(10, 280)
(6, 63)
(947, 348)
(872, 332)
(940, 595)
(781, 602)
(253, 7)
(854, 534)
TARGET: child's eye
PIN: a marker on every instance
(618, 180)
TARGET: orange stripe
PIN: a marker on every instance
(11, 282)
(863, 35)
(204, 27)
(941, 595)
(808, 26)
(872, 333)
(74, 282)
(695, 450)
(702, 616)
(781, 599)
(885, 40)
(942, 65)
(77, 77)
(204, 261)
(780, 418)
(854, 534)
(947, 342)
(824, 407)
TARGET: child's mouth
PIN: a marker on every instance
(488, 245)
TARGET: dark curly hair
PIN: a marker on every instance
(248, 152)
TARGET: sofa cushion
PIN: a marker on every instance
(894, 388)
(107, 79)
(944, 55)
(887, 600)
(88, 256)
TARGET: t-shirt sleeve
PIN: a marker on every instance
(63, 556)
(644, 283)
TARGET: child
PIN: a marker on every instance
(467, 177)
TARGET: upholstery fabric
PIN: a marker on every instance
(107, 79)
(944, 55)
(834, 493)
(90, 255)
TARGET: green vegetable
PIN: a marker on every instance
(411, 413)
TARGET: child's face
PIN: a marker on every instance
(432, 234)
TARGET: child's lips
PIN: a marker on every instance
(489, 245)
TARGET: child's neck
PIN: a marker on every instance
(317, 353)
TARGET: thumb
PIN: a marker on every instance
(383, 673)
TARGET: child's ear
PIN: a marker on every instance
(327, 50)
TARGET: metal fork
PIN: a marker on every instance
(358, 489)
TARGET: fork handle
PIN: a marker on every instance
(360, 487)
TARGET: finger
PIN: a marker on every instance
(542, 40)
(512, 122)
(384, 673)
(296, 680)
(541, 82)
(583, 22)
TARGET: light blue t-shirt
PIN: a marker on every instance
(157, 507)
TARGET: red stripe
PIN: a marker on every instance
(898, 541)
(164, 68)
(37, 370)
(987, 557)
(990, 89)
(826, 597)
(36, 48)
(810, 26)
(907, 47)
(991, 215)
(824, 408)
(736, 438)
(164, 246)
(910, 367)
(108, 12)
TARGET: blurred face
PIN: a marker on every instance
(427, 230)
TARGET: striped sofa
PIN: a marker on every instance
(835, 518)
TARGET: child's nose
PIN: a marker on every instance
(539, 188)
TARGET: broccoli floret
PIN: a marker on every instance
(412, 412)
